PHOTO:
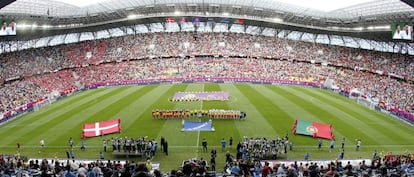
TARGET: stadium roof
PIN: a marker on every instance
(369, 10)
(368, 21)
(61, 9)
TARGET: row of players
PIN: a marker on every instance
(215, 98)
(212, 114)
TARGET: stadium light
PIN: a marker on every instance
(46, 26)
(34, 25)
(334, 27)
(132, 16)
(22, 25)
(177, 12)
(225, 14)
(385, 27)
(360, 28)
(277, 20)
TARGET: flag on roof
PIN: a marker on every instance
(224, 20)
(170, 20)
(196, 20)
(238, 21)
(182, 20)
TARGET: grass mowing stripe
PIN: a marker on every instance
(128, 114)
(46, 111)
(69, 100)
(175, 137)
(396, 136)
(70, 124)
(268, 122)
(137, 111)
(227, 127)
(362, 109)
(294, 110)
(331, 115)
(246, 127)
(373, 115)
(338, 118)
(108, 111)
(67, 127)
(137, 121)
(171, 129)
(321, 115)
(39, 126)
(157, 99)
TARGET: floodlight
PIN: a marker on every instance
(46, 26)
(277, 20)
(132, 16)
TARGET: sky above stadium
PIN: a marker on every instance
(323, 5)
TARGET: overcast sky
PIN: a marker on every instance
(324, 5)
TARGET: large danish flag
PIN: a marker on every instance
(101, 128)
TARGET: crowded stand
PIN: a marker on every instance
(239, 165)
(29, 75)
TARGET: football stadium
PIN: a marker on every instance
(194, 88)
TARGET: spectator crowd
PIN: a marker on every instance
(381, 165)
(28, 76)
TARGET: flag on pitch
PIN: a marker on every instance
(314, 129)
(101, 128)
(197, 126)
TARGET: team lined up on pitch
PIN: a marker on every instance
(211, 114)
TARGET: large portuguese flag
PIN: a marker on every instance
(314, 129)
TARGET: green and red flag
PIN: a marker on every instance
(314, 129)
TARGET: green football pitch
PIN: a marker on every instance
(271, 111)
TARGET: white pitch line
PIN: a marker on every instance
(198, 132)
